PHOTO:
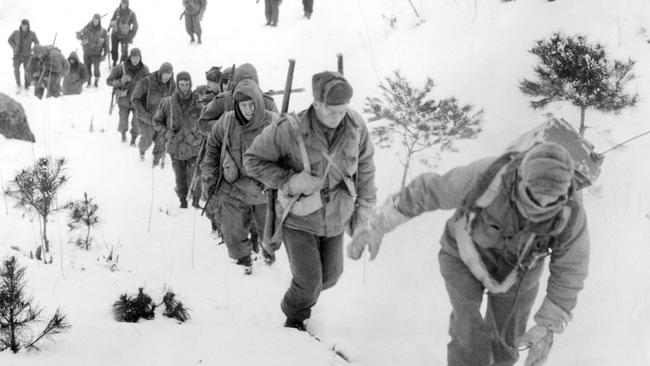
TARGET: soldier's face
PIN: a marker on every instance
(213, 86)
(23, 27)
(95, 22)
(166, 76)
(135, 60)
(247, 108)
(330, 115)
(122, 6)
(184, 86)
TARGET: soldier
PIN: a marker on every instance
(125, 25)
(221, 104)
(94, 40)
(212, 87)
(272, 12)
(146, 97)
(21, 42)
(48, 67)
(123, 79)
(73, 82)
(308, 7)
(511, 212)
(239, 197)
(321, 161)
(194, 10)
(176, 121)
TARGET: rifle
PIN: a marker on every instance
(272, 194)
(170, 122)
(112, 105)
(339, 63)
(182, 15)
(278, 92)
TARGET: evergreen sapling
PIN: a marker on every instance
(174, 308)
(574, 70)
(83, 214)
(133, 308)
(35, 190)
(417, 121)
(18, 312)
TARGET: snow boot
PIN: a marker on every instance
(123, 137)
(247, 263)
(133, 137)
(195, 202)
(88, 83)
(269, 258)
(296, 324)
(96, 82)
(183, 202)
(141, 156)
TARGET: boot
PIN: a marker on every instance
(183, 202)
(296, 324)
(96, 81)
(141, 155)
(123, 137)
(269, 258)
(133, 137)
(247, 263)
(192, 38)
(88, 83)
(114, 63)
(195, 202)
(199, 40)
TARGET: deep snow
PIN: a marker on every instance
(388, 312)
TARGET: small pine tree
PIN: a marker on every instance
(83, 214)
(132, 308)
(35, 189)
(417, 121)
(18, 312)
(574, 70)
(174, 308)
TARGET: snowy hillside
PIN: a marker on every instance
(393, 311)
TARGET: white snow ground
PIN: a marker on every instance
(393, 311)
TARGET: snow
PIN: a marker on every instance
(387, 312)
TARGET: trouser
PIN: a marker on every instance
(193, 25)
(92, 62)
(51, 82)
(213, 211)
(183, 170)
(475, 341)
(237, 218)
(308, 6)
(149, 136)
(24, 60)
(116, 40)
(123, 124)
(272, 11)
(316, 264)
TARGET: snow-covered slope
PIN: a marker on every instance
(389, 312)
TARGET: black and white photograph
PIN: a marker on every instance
(325, 182)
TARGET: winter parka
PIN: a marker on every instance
(76, 77)
(275, 155)
(134, 74)
(499, 229)
(21, 42)
(240, 137)
(124, 23)
(224, 102)
(181, 115)
(194, 7)
(148, 93)
(94, 40)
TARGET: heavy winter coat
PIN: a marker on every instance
(499, 229)
(194, 7)
(148, 93)
(124, 23)
(181, 115)
(21, 42)
(76, 77)
(51, 63)
(225, 102)
(240, 137)
(275, 155)
(94, 40)
(134, 74)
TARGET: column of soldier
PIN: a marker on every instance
(304, 179)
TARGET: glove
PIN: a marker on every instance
(169, 134)
(381, 220)
(303, 183)
(125, 79)
(538, 340)
(358, 219)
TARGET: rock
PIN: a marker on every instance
(13, 121)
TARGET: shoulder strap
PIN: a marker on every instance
(489, 184)
(293, 121)
(225, 144)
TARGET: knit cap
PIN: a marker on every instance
(166, 67)
(214, 74)
(135, 52)
(547, 169)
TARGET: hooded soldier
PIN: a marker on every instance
(21, 42)
(48, 67)
(94, 40)
(125, 25)
(76, 77)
